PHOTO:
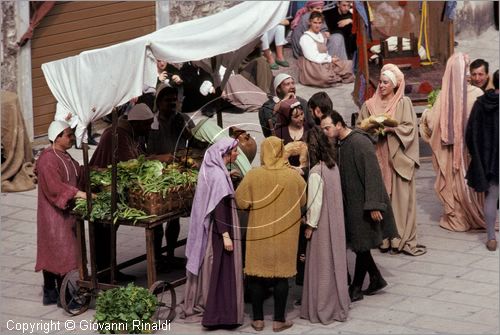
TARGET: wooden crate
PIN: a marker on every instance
(157, 204)
(400, 57)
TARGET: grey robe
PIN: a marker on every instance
(363, 191)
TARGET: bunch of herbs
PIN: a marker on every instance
(122, 306)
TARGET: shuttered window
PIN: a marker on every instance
(72, 27)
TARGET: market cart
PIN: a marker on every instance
(80, 286)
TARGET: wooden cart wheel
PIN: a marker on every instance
(74, 299)
(165, 293)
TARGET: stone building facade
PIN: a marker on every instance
(9, 48)
(473, 17)
(181, 11)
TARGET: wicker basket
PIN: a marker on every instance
(186, 195)
(153, 203)
(157, 204)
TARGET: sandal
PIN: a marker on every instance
(491, 245)
(284, 325)
(274, 66)
(384, 250)
(283, 63)
(394, 251)
(258, 325)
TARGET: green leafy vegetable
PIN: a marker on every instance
(148, 176)
(121, 306)
(101, 209)
(431, 98)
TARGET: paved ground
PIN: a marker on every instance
(454, 288)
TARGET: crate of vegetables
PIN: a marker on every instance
(158, 189)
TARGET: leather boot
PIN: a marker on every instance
(355, 293)
(376, 284)
(50, 296)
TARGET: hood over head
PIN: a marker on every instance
(272, 153)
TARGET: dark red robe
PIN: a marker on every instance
(58, 174)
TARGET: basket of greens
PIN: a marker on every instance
(144, 188)
(158, 189)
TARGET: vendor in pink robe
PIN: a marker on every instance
(58, 175)
(443, 127)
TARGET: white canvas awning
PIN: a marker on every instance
(92, 83)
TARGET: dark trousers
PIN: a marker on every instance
(172, 231)
(301, 251)
(364, 264)
(51, 280)
(495, 13)
(258, 287)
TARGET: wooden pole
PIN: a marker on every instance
(93, 265)
(82, 248)
(219, 117)
(364, 55)
(451, 34)
(114, 195)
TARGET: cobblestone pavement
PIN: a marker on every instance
(454, 288)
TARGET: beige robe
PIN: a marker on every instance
(274, 195)
(323, 74)
(463, 208)
(403, 161)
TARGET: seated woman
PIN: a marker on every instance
(317, 67)
(335, 43)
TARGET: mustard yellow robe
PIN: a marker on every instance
(274, 194)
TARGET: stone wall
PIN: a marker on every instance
(473, 17)
(9, 48)
(181, 11)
